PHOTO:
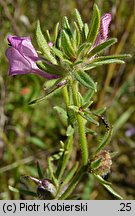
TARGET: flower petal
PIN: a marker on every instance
(15, 40)
(18, 64)
(104, 25)
(103, 30)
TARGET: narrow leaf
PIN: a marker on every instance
(88, 95)
(70, 131)
(106, 139)
(66, 26)
(86, 105)
(100, 111)
(40, 173)
(42, 43)
(50, 68)
(27, 192)
(78, 34)
(56, 32)
(51, 171)
(62, 113)
(79, 19)
(74, 108)
(101, 180)
(102, 47)
(37, 100)
(89, 118)
(85, 79)
(95, 164)
(70, 174)
(67, 46)
(83, 49)
(100, 62)
(95, 24)
(65, 157)
(85, 30)
(111, 190)
(48, 35)
(89, 131)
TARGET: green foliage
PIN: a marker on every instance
(31, 132)
(85, 80)
(42, 43)
(95, 23)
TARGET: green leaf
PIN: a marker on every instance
(95, 164)
(85, 31)
(100, 111)
(101, 180)
(113, 154)
(106, 139)
(57, 52)
(66, 44)
(50, 68)
(66, 26)
(51, 172)
(28, 192)
(86, 105)
(89, 131)
(85, 79)
(101, 61)
(111, 190)
(48, 36)
(15, 190)
(95, 24)
(74, 108)
(49, 84)
(67, 179)
(77, 36)
(102, 47)
(56, 32)
(83, 49)
(80, 99)
(64, 158)
(89, 95)
(62, 113)
(39, 169)
(70, 174)
(71, 116)
(73, 183)
(70, 131)
(79, 19)
(42, 43)
(108, 187)
(89, 118)
(46, 96)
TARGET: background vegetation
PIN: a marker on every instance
(30, 133)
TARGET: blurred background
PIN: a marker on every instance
(31, 133)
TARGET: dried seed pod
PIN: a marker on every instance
(101, 163)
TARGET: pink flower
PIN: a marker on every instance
(22, 57)
(103, 30)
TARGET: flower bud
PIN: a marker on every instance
(46, 190)
(101, 164)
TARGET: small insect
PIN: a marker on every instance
(104, 122)
(102, 118)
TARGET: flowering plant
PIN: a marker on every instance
(67, 59)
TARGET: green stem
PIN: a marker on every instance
(81, 126)
(65, 96)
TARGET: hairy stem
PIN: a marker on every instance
(81, 126)
(65, 96)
